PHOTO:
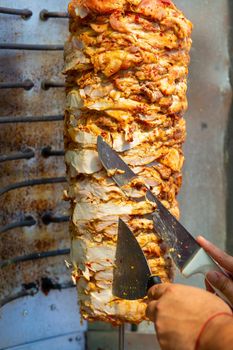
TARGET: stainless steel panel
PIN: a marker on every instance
(16, 66)
(29, 320)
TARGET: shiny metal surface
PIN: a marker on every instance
(55, 324)
(121, 337)
(32, 187)
(131, 273)
(111, 161)
(181, 244)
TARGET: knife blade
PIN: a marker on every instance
(186, 253)
(181, 249)
(111, 160)
(131, 276)
(182, 245)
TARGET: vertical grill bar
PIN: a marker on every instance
(121, 337)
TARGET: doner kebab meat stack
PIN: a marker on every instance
(126, 66)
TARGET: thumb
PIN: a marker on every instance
(222, 283)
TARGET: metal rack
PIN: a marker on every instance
(30, 153)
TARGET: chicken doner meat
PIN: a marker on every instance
(126, 65)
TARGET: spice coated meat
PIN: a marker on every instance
(126, 63)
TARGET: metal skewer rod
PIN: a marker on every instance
(49, 118)
(26, 85)
(25, 13)
(121, 339)
(47, 84)
(44, 15)
(33, 47)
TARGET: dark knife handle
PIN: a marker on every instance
(152, 281)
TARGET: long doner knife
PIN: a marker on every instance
(186, 253)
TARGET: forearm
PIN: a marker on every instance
(218, 334)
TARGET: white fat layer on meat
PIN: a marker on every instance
(81, 11)
(74, 100)
(103, 301)
(100, 261)
(119, 143)
(87, 189)
(89, 211)
(83, 137)
(107, 103)
(97, 256)
(84, 161)
(75, 60)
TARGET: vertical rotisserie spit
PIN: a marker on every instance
(126, 63)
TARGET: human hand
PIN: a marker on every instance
(218, 279)
(179, 312)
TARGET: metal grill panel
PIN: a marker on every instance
(34, 239)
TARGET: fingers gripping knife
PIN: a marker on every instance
(186, 253)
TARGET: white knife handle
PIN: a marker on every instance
(203, 263)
